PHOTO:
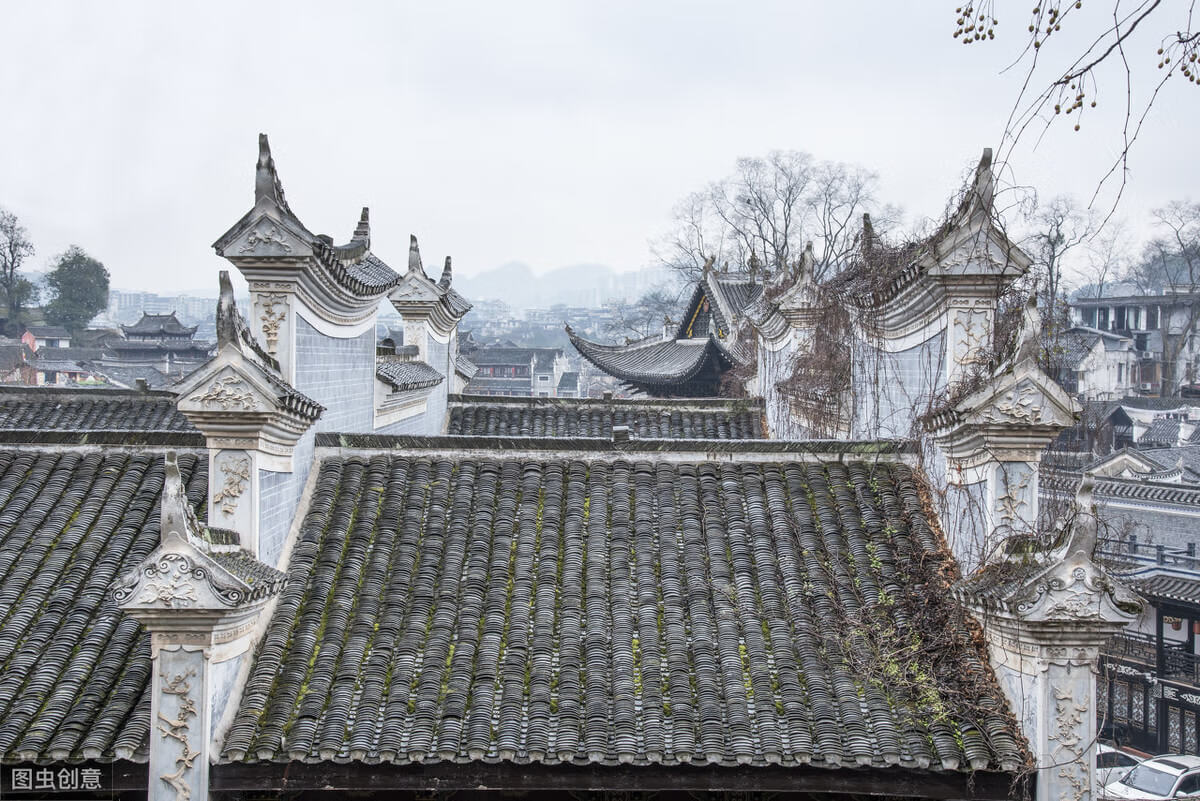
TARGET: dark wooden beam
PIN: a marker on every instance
(228, 779)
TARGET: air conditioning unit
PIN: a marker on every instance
(1146, 387)
(1146, 354)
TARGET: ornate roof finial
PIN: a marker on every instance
(985, 182)
(266, 180)
(444, 281)
(414, 255)
(1084, 526)
(868, 234)
(807, 265)
(708, 266)
(754, 264)
(1028, 337)
(227, 313)
(177, 518)
(362, 231)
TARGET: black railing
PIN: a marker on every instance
(1142, 649)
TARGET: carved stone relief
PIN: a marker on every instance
(230, 392)
(265, 235)
(171, 580)
(970, 334)
(274, 311)
(237, 474)
(1067, 739)
(178, 728)
(1014, 496)
(1022, 404)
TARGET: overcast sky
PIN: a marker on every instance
(550, 133)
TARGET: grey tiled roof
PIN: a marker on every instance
(373, 272)
(465, 367)
(159, 325)
(1167, 587)
(657, 362)
(552, 417)
(74, 670)
(355, 268)
(49, 331)
(569, 382)
(53, 409)
(444, 608)
(402, 375)
(1162, 432)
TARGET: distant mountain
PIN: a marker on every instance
(578, 285)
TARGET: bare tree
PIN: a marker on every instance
(1171, 267)
(1060, 227)
(15, 247)
(766, 210)
(1108, 258)
(644, 317)
(1070, 91)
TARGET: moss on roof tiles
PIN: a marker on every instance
(628, 610)
(73, 669)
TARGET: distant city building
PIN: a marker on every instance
(1094, 364)
(517, 372)
(1155, 323)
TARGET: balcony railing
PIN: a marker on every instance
(1142, 649)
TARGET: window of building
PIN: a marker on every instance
(1152, 317)
(543, 378)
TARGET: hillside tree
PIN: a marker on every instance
(78, 287)
(15, 248)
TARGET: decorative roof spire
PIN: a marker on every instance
(266, 180)
(868, 236)
(708, 266)
(362, 232)
(227, 314)
(1031, 328)
(1084, 527)
(177, 519)
(984, 188)
(414, 255)
(806, 268)
(444, 281)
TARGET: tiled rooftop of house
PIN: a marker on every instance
(465, 605)
(54, 409)
(551, 417)
(74, 670)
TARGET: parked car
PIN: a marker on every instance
(1112, 763)
(1160, 777)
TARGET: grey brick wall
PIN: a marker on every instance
(280, 500)
(340, 375)
(892, 389)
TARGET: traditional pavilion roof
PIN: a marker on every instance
(74, 670)
(683, 367)
(566, 603)
(58, 409)
(1169, 587)
(704, 346)
(403, 375)
(159, 325)
(578, 417)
